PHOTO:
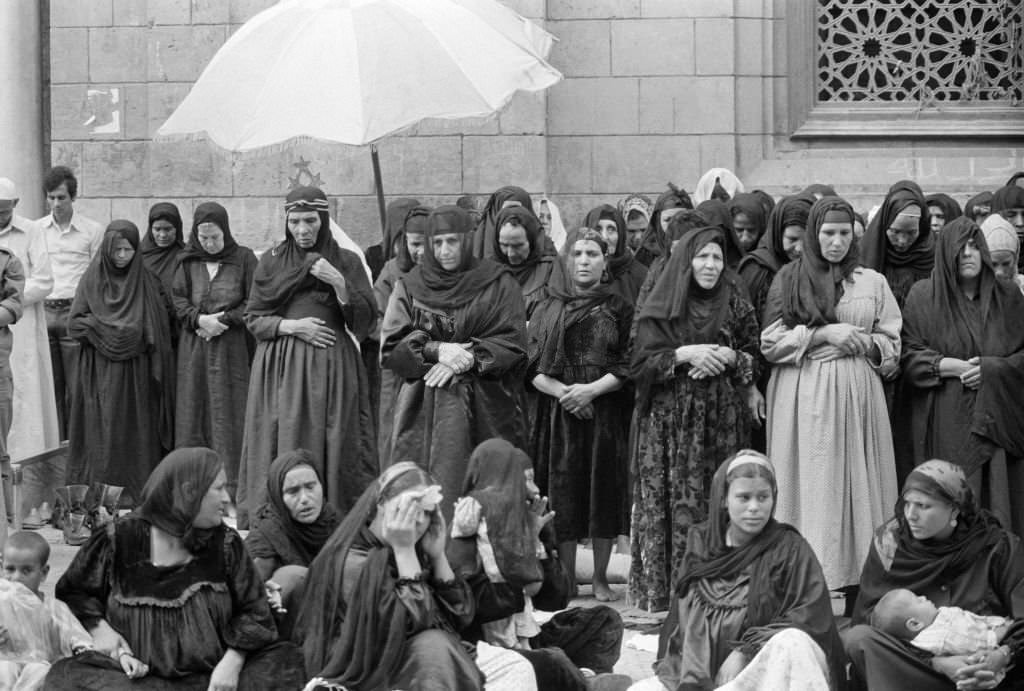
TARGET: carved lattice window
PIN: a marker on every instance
(923, 52)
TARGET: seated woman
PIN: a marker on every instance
(174, 587)
(751, 609)
(383, 606)
(939, 545)
(499, 546)
(290, 529)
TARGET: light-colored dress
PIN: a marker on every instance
(828, 430)
(34, 418)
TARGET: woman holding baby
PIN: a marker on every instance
(942, 547)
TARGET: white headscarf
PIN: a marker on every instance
(724, 177)
(557, 232)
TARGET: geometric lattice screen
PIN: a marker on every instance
(924, 51)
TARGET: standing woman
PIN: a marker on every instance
(963, 371)
(748, 221)
(309, 307)
(899, 243)
(455, 332)
(831, 329)
(522, 248)
(654, 242)
(122, 414)
(215, 349)
(625, 273)
(486, 230)
(578, 361)
(694, 353)
(163, 242)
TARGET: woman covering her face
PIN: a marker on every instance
(751, 607)
(942, 546)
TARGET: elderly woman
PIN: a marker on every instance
(122, 411)
(211, 286)
(693, 357)
(174, 587)
(625, 273)
(963, 371)
(831, 330)
(523, 249)
(898, 242)
(1004, 247)
(309, 307)
(290, 529)
(484, 244)
(941, 546)
(751, 609)
(455, 332)
(383, 607)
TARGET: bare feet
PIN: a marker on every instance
(604, 593)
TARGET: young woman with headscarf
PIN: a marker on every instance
(654, 242)
(963, 372)
(579, 363)
(1008, 202)
(748, 221)
(455, 332)
(520, 246)
(625, 273)
(942, 209)
(162, 242)
(750, 609)
(694, 354)
(383, 606)
(122, 413)
(832, 329)
(484, 245)
(290, 529)
(898, 242)
(717, 183)
(309, 307)
(939, 545)
(173, 586)
(210, 289)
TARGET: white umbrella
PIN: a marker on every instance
(353, 71)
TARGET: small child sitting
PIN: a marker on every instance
(937, 630)
(36, 630)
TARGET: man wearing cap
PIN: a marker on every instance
(72, 241)
(34, 424)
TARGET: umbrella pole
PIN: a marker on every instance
(379, 187)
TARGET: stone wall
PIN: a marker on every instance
(654, 91)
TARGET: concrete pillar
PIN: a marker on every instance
(21, 92)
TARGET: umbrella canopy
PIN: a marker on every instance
(353, 71)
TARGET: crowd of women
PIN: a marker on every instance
(620, 361)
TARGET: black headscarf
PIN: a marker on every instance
(162, 261)
(811, 285)
(1009, 197)
(415, 223)
(950, 207)
(175, 491)
(534, 237)
(817, 191)
(971, 207)
(395, 216)
(620, 259)
(790, 211)
(749, 204)
(435, 286)
(654, 243)
(767, 201)
(483, 241)
(878, 253)
(718, 214)
(212, 212)
(274, 533)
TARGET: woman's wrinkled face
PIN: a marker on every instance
(835, 240)
(707, 265)
(749, 504)
(928, 517)
(969, 260)
(793, 241)
(636, 225)
(937, 217)
(588, 262)
(163, 232)
(666, 216)
(746, 231)
(1004, 262)
(415, 243)
(303, 494)
(609, 231)
(904, 231)
(304, 227)
(448, 250)
(513, 243)
(214, 504)
(121, 253)
(211, 237)
(544, 216)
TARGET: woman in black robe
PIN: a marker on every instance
(522, 248)
(122, 411)
(309, 307)
(579, 363)
(455, 332)
(377, 256)
(751, 600)
(655, 242)
(625, 273)
(210, 289)
(162, 242)
(942, 209)
(484, 239)
(963, 371)
(939, 545)
(898, 242)
(748, 221)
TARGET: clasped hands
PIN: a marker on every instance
(842, 340)
(706, 359)
(452, 359)
(210, 326)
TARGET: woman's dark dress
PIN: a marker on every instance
(213, 377)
